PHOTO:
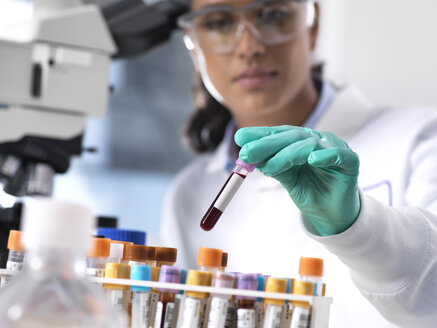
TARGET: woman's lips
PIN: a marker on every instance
(251, 79)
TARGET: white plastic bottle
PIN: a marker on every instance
(52, 290)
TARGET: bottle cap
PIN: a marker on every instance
(169, 274)
(139, 253)
(133, 236)
(140, 272)
(248, 167)
(56, 225)
(261, 285)
(106, 222)
(166, 254)
(124, 244)
(199, 278)
(209, 257)
(14, 241)
(303, 288)
(184, 273)
(275, 285)
(119, 271)
(116, 250)
(311, 266)
(224, 260)
(247, 281)
(100, 247)
(223, 280)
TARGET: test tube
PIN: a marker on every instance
(224, 262)
(311, 270)
(301, 309)
(195, 303)
(140, 255)
(154, 298)
(124, 243)
(274, 307)
(119, 295)
(209, 259)
(179, 302)
(219, 302)
(259, 305)
(115, 252)
(97, 257)
(169, 274)
(231, 186)
(16, 255)
(246, 305)
(140, 297)
(166, 256)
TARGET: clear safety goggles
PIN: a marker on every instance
(218, 28)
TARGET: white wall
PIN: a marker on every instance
(386, 47)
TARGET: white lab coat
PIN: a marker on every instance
(391, 252)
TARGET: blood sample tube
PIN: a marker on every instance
(246, 305)
(311, 270)
(16, 255)
(219, 302)
(168, 274)
(301, 309)
(225, 195)
(274, 306)
(97, 257)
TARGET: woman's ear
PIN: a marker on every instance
(315, 27)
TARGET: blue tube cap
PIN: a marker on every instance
(133, 236)
(140, 272)
(184, 273)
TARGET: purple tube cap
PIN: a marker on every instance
(248, 167)
(248, 281)
(169, 274)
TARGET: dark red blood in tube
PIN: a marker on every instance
(213, 214)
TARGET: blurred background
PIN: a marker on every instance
(386, 48)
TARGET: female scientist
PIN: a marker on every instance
(365, 191)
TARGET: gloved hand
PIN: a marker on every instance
(318, 170)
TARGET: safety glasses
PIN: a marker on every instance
(218, 28)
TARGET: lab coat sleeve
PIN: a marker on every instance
(392, 257)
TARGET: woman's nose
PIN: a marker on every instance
(249, 45)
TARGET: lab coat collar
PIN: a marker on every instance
(347, 113)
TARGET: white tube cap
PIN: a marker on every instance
(49, 224)
(116, 251)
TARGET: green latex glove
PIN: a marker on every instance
(318, 170)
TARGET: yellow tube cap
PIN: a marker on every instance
(118, 271)
(275, 285)
(302, 288)
(198, 278)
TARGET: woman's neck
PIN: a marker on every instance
(294, 113)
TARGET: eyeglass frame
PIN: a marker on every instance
(183, 20)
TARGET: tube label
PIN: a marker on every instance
(140, 309)
(273, 316)
(192, 312)
(300, 318)
(169, 315)
(228, 192)
(245, 318)
(217, 313)
(94, 272)
(158, 315)
(259, 314)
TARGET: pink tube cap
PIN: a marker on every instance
(248, 167)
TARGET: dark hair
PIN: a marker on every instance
(206, 126)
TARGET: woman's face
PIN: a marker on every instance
(256, 79)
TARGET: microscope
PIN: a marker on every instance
(54, 76)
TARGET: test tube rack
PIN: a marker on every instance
(320, 306)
